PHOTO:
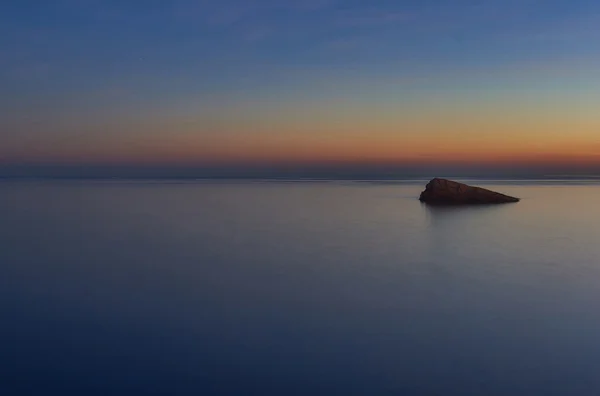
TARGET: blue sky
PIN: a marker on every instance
(103, 70)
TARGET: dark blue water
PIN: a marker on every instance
(340, 288)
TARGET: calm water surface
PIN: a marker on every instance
(296, 289)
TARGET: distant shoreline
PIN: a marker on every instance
(373, 180)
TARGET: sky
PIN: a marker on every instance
(265, 82)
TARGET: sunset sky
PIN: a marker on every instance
(300, 82)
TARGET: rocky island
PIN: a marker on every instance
(447, 192)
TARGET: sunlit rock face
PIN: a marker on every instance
(448, 192)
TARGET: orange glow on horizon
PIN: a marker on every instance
(307, 152)
(445, 140)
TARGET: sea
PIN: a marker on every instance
(297, 287)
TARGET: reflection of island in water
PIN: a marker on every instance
(451, 228)
(457, 216)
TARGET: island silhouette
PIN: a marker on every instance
(448, 192)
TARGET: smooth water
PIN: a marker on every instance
(338, 288)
